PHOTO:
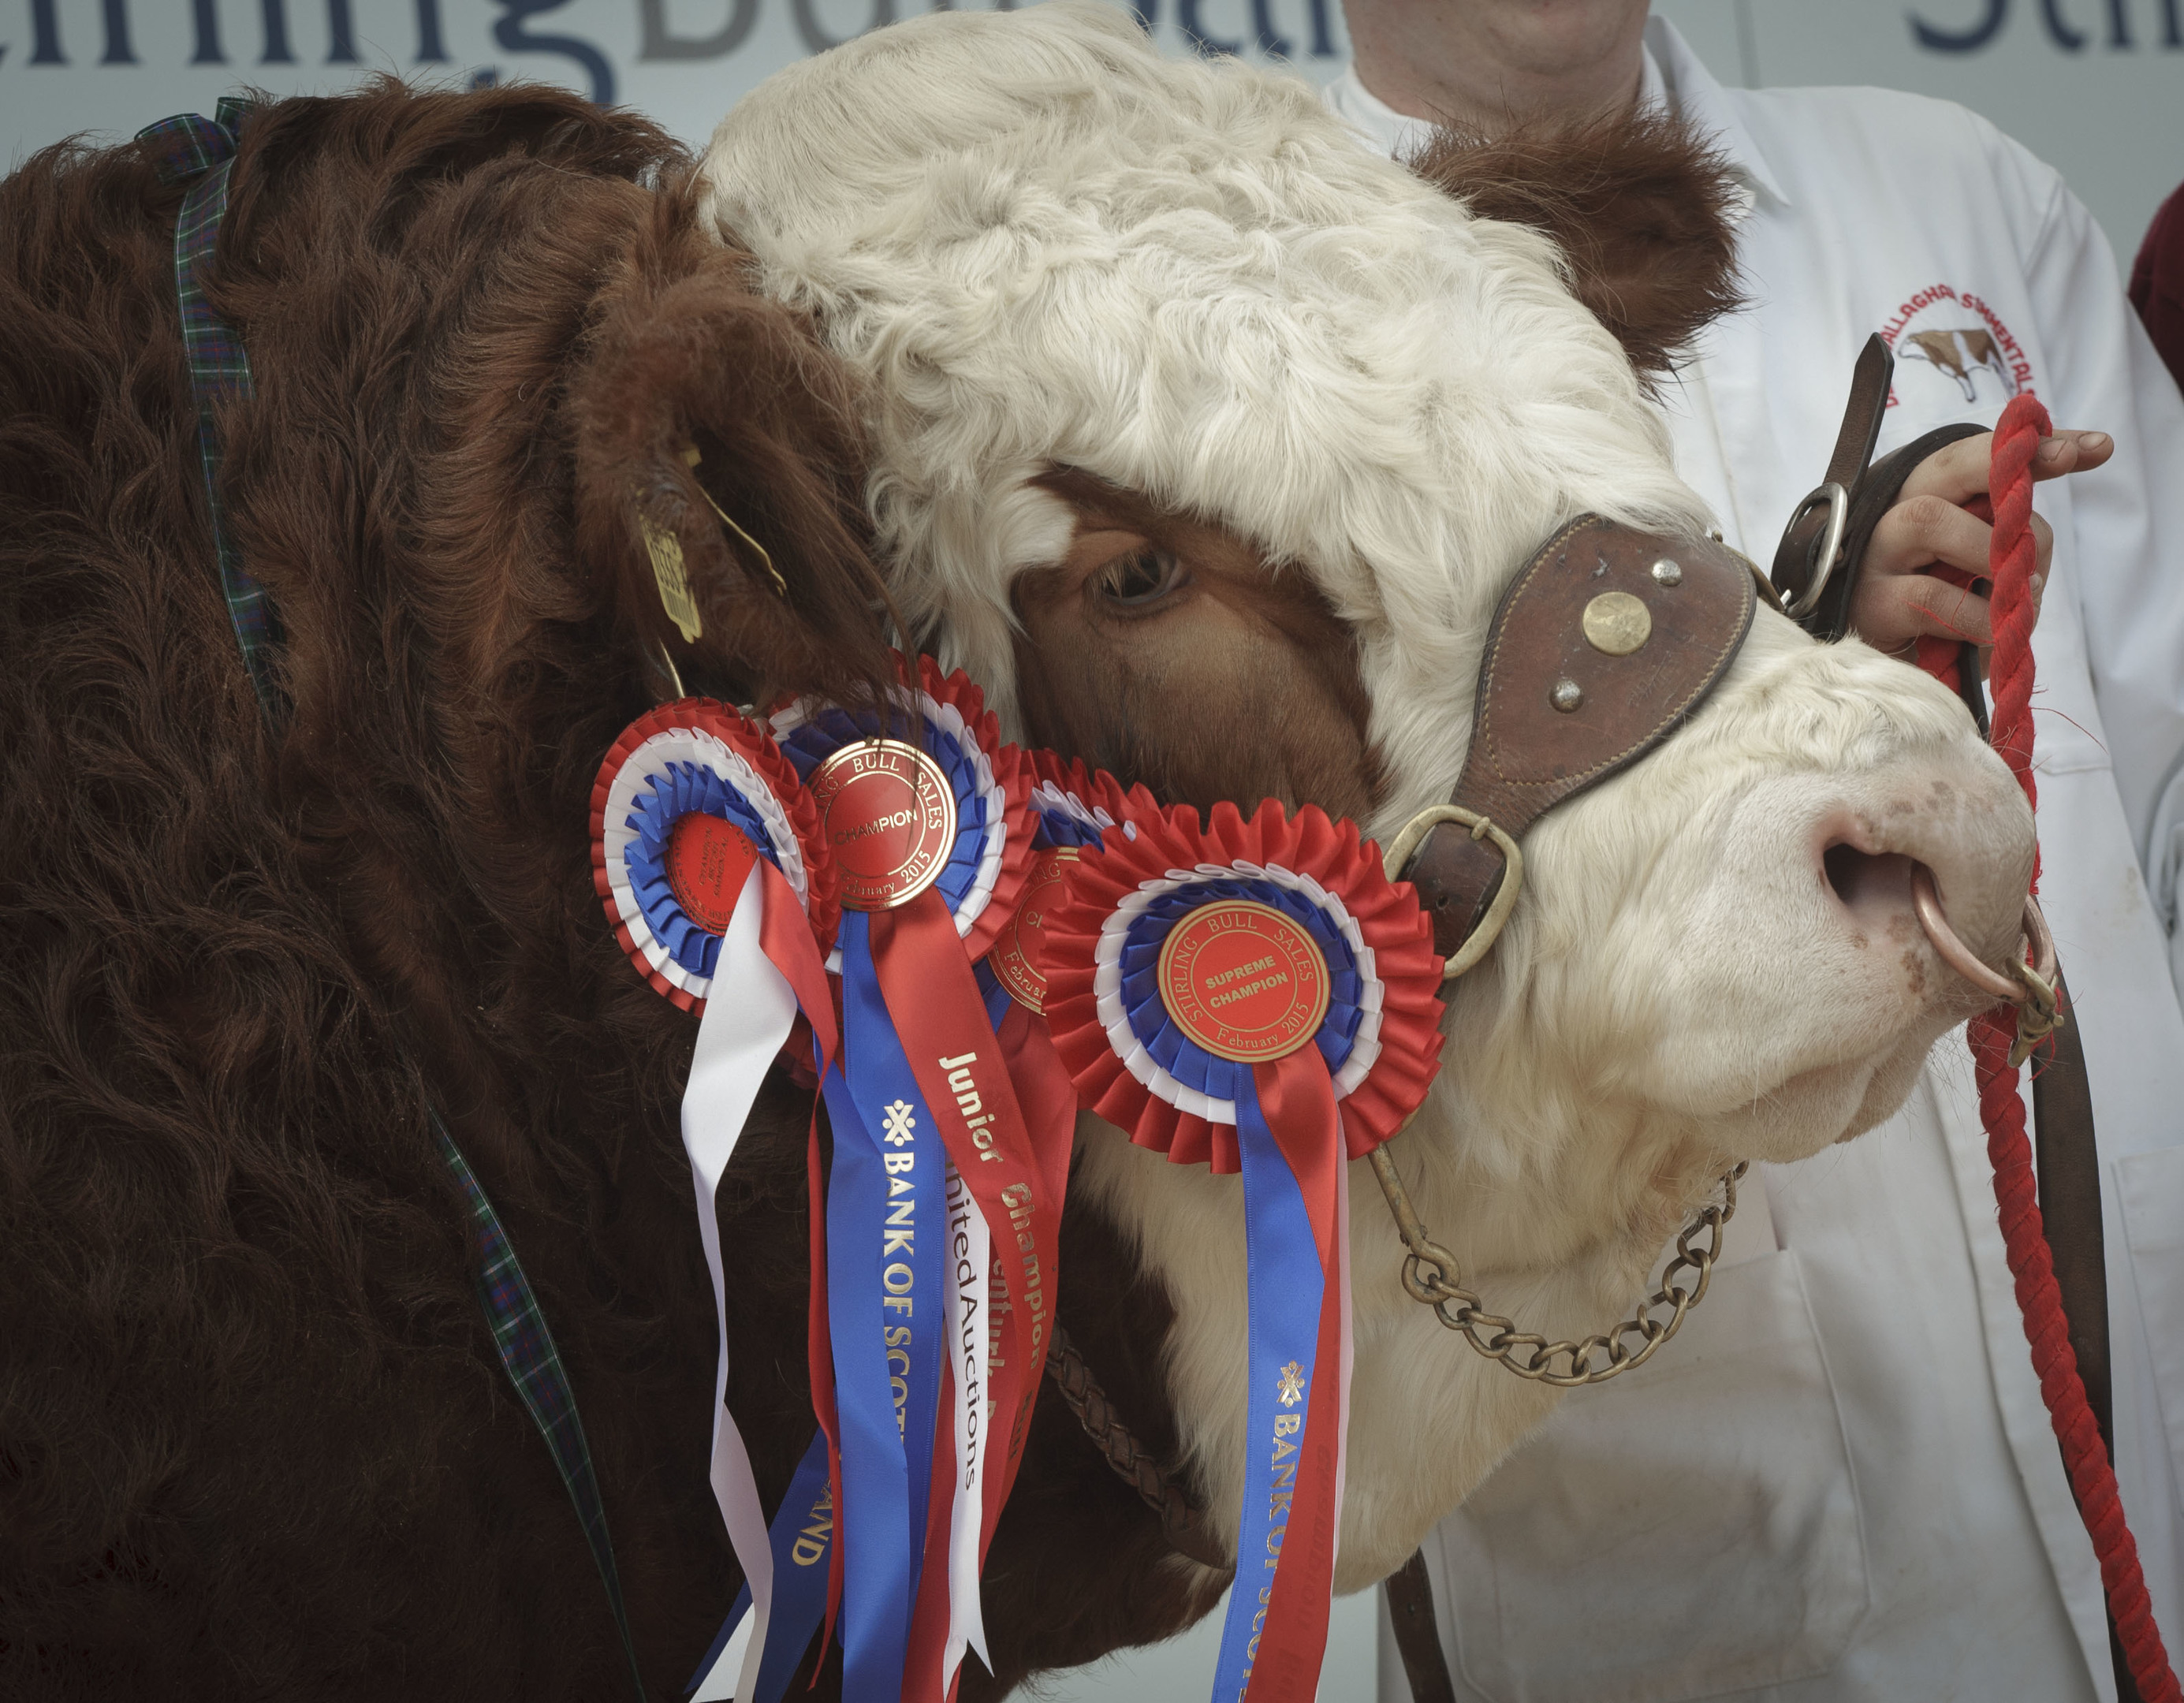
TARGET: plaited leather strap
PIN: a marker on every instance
(1183, 1525)
(1605, 641)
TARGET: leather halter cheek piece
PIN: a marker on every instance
(1604, 644)
(1607, 639)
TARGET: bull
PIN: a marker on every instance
(1203, 441)
(1208, 444)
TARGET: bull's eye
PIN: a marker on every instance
(1141, 579)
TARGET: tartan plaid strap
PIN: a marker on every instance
(185, 147)
(189, 147)
(533, 1365)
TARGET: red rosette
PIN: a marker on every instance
(1309, 858)
(982, 885)
(698, 758)
(1011, 778)
(1092, 800)
(1072, 806)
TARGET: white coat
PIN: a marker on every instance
(1840, 1482)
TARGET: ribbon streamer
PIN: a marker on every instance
(1256, 994)
(934, 840)
(801, 1540)
(888, 1320)
(707, 860)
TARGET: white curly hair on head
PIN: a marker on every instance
(1043, 244)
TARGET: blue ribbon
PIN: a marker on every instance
(882, 1330)
(801, 1538)
(888, 1183)
(1286, 1284)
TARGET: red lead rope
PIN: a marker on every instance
(2024, 423)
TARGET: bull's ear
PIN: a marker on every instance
(1641, 206)
(720, 479)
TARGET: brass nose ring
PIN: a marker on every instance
(2017, 989)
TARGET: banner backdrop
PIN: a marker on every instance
(2096, 86)
(111, 66)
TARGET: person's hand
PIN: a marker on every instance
(1931, 547)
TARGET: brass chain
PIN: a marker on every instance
(1430, 1275)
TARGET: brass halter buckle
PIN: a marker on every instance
(1411, 836)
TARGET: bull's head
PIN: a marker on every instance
(1207, 442)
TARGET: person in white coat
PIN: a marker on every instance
(1840, 1482)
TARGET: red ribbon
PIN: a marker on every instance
(1296, 1096)
(933, 997)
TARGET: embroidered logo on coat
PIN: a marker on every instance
(1960, 342)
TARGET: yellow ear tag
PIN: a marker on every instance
(666, 550)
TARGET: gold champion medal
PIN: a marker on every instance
(1015, 957)
(1243, 981)
(887, 815)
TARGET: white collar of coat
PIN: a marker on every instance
(1672, 77)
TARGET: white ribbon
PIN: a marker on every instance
(970, 1259)
(741, 1031)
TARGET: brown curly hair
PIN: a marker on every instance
(254, 1440)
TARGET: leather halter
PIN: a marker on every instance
(1564, 701)
(1818, 564)
(1604, 644)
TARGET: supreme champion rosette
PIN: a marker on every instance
(707, 856)
(924, 811)
(1255, 994)
(1142, 1070)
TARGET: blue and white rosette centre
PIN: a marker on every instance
(1155, 1049)
(669, 776)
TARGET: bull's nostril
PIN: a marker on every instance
(1861, 879)
(1839, 866)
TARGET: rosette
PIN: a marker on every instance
(923, 809)
(707, 858)
(673, 795)
(1134, 1067)
(1257, 994)
(967, 838)
(1076, 805)
(1072, 807)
